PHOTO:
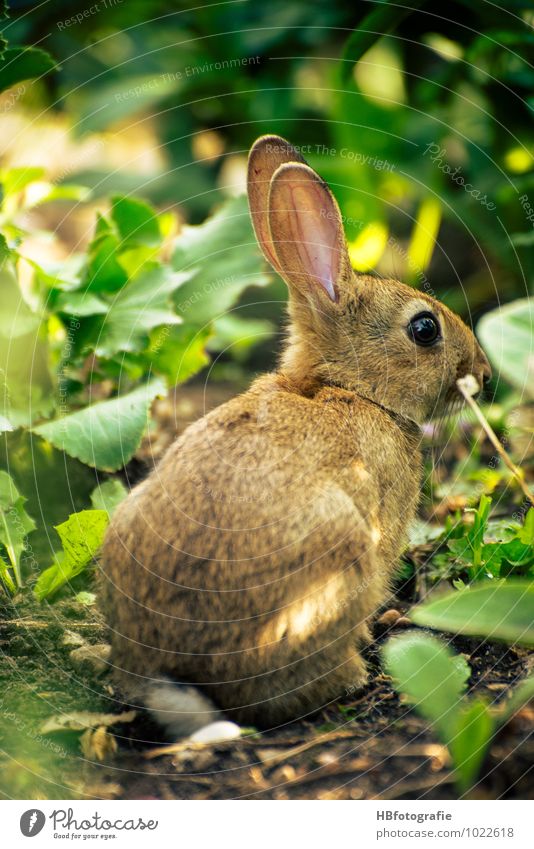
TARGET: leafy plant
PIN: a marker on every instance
(497, 611)
(15, 525)
(119, 316)
(434, 679)
(506, 334)
(105, 435)
(482, 549)
(108, 495)
(81, 537)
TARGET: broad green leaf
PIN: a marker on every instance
(26, 389)
(136, 221)
(507, 334)
(433, 678)
(14, 180)
(64, 276)
(503, 611)
(108, 495)
(141, 305)
(475, 726)
(15, 525)
(80, 304)
(81, 537)
(23, 63)
(236, 335)
(526, 533)
(225, 258)
(105, 435)
(16, 317)
(65, 191)
(180, 352)
(104, 271)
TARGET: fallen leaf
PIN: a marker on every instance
(82, 720)
(98, 744)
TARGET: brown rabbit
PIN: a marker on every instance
(241, 576)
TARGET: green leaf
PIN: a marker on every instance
(85, 598)
(223, 254)
(104, 271)
(236, 335)
(64, 276)
(475, 726)
(26, 389)
(23, 63)
(506, 334)
(526, 533)
(16, 317)
(105, 435)
(80, 304)
(503, 611)
(15, 525)
(180, 352)
(433, 678)
(81, 537)
(136, 221)
(141, 305)
(108, 495)
(14, 180)
(66, 191)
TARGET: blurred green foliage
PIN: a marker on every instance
(420, 120)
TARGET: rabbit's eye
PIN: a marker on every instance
(424, 329)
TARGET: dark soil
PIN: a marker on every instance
(366, 746)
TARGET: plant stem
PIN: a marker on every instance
(466, 387)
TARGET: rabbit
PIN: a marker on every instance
(240, 577)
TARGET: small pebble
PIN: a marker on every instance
(71, 638)
(96, 656)
(216, 732)
(390, 617)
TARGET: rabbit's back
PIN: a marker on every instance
(290, 551)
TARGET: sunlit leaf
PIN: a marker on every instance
(23, 63)
(503, 611)
(225, 258)
(15, 525)
(81, 537)
(424, 236)
(180, 352)
(431, 676)
(136, 222)
(141, 305)
(473, 733)
(108, 495)
(105, 435)
(507, 335)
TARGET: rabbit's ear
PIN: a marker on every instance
(307, 232)
(266, 155)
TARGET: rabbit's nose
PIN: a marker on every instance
(486, 370)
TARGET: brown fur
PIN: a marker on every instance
(251, 560)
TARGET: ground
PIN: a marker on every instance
(369, 745)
